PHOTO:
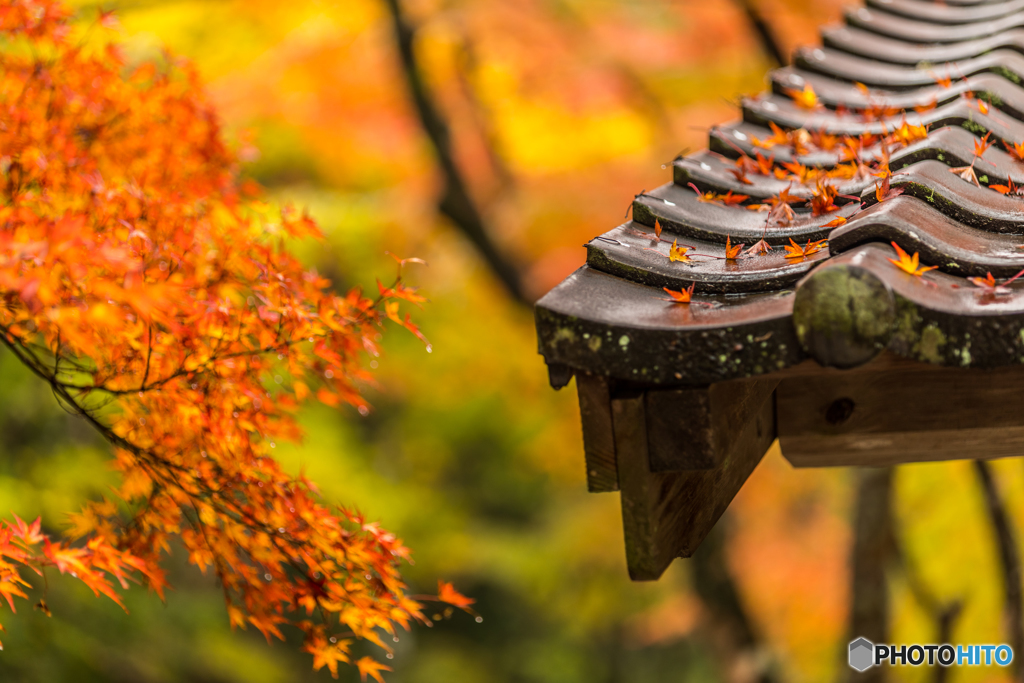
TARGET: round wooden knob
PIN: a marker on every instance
(844, 315)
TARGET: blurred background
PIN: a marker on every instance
(543, 119)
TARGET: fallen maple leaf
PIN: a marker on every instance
(884, 191)
(981, 146)
(927, 107)
(967, 173)
(728, 198)
(731, 250)
(823, 198)
(1011, 188)
(683, 296)
(678, 253)
(806, 98)
(907, 263)
(908, 134)
(760, 247)
(1015, 149)
(794, 250)
(779, 137)
(989, 285)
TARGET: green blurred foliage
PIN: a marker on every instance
(469, 455)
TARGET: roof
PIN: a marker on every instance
(836, 117)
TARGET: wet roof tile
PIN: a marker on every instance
(886, 67)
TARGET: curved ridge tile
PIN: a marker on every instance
(710, 172)
(944, 319)
(732, 139)
(833, 93)
(679, 211)
(952, 146)
(913, 31)
(979, 207)
(918, 227)
(856, 41)
(960, 114)
(593, 319)
(941, 13)
(871, 72)
(631, 252)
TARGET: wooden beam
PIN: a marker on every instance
(667, 514)
(915, 414)
(695, 428)
(598, 438)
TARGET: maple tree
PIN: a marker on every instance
(146, 284)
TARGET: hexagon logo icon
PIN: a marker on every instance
(862, 654)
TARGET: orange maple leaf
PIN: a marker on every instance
(806, 98)
(779, 137)
(990, 286)
(1015, 149)
(732, 251)
(1011, 188)
(823, 198)
(884, 191)
(683, 296)
(446, 593)
(907, 263)
(928, 106)
(678, 253)
(368, 666)
(794, 250)
(712, 198)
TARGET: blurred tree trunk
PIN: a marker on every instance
(455, 201)
(763, 31)
(872, 550)
(733, 634)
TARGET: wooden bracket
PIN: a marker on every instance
(696, 429)
(667, 514)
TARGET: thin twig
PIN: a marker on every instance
(1009, 560)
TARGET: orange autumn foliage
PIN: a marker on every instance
(145, 285)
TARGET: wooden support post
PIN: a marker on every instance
(598, 438)
(667, 514)
(909, 414)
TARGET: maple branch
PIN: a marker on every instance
(468, 68)
(456, 202)
(764, 32)
(1009, 558)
